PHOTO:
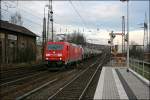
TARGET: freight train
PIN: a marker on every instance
(58, 54)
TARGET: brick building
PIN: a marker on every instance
(17, 44)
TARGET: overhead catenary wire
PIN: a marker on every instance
(82, 19)
(26, 10)
(78, 13)
(25, 18)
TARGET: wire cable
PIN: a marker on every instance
(77, 13)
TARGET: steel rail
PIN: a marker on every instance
(72, 81)
(29, 71)
(19, 79)
(90, 81)
(36, 89)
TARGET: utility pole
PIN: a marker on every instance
(145, 33)
(48, 21)
(0, 9)
(51, 19)
(44, 36)
(145, 37)
(128, 33)
(123, 34)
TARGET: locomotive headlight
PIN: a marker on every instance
(59, 54)
(47, 54)
(60, 58)
(46, 58)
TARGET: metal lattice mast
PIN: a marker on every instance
(145, 38)
(51, 19)
(44, 35)
(48, 21)
(128, 33)
(123, 34)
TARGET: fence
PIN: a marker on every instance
(141, 67)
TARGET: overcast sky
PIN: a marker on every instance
(102, 15)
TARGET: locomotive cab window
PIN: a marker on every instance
(55, 47)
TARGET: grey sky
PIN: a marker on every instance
(105, 15)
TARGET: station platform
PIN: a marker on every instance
(117, 83)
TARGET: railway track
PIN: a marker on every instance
(9, 83)
(43, 91)
(31, 83)
(18, 73)
(21, 87)
(53, 80)
(46, 84)
(76, 88)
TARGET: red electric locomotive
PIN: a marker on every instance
(58, 54)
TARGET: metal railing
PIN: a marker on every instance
(140, 67)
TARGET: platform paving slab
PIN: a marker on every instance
(138, 87)
(106, 88)
(117, 83)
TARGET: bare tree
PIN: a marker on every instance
(16, 18)
(76, 38)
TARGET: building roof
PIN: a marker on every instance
(16, 28)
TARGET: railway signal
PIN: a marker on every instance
(112, 35)
(109, 41)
